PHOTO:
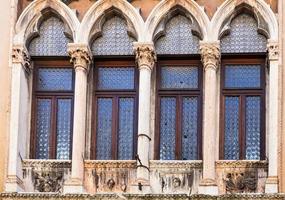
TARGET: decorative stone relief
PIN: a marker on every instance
(21, 55)
(64, 1)
(273, 50)
(211, 55)
(145, 55)
(80, 55)
(241, 176)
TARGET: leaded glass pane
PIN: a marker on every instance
(116, 78)
(189, 128)
(231, 128)
(126, 129)
(167, 128)
(179, 77)
(54, 79)
(63, 136)
(51, 40)
(104, 129)
(178, 38)
(43, 129)
(253, 129)
(242, 76)
(243, 36)
(114, 40)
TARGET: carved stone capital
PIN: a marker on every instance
(145, 55)
(273, 50)
(80, 55)
(20, 55)
(210, 54)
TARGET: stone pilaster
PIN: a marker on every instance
(80, 55)
(21, 68)
(145, 58)
(273, 129)
(210, 54)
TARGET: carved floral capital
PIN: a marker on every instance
(145, 55)
(210, 54)
(80, 55)
(273, 50)
(20, 55)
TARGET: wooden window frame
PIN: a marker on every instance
(115, 94)
(242, 93)
(54, 96)
(179, 94)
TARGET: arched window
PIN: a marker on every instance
(243, 90)
(115, 93)
(53, 88)
(179, 90)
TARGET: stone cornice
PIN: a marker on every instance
(98, 164)
(241, 164)
(20, 55)
(145, 55)
(155, 164)
(210, 54)
(80, 55)
(42, 164)
(273, 50)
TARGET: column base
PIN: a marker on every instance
(73, 186)
(208, 187)
(271, 185)
(14, 184)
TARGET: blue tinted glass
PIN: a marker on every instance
(43, 128)
(116, 78)
(253, 128)
(231, 128)
(167, 128)
(54, 79)
(190, 128)
(104, 129)
(64, 112)
(126, 129)
(179, 77)
(242, 76)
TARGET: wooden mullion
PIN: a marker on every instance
(52, 138)
(242, 135)
(178, 120)
(115, 116)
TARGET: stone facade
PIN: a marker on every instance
(144, 178)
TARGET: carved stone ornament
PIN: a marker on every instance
(80, 55)
(243, 182)
(64, 1)
(273, 50)
(145, 55)
(210, 54)
(21, 55)
(48, 181)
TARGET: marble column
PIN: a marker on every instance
(80, 55)
(210, 54)
(20, 98)
(145, 58)
(273, 123)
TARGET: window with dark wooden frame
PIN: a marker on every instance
(52, 116)
(179, 110)
(114, 111)
(243, 109)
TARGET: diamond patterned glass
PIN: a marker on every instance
(51, 40)
(116, 78)
(242, 76)
(243, 37)
(253, 128)
(167, 128)
(179, 77)
(64, 111)
(231, 128)
(104, 129)
(126, 128)
(178, 38)
(114, 40)
(54, 79)
(43, 128)
(189, 128)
